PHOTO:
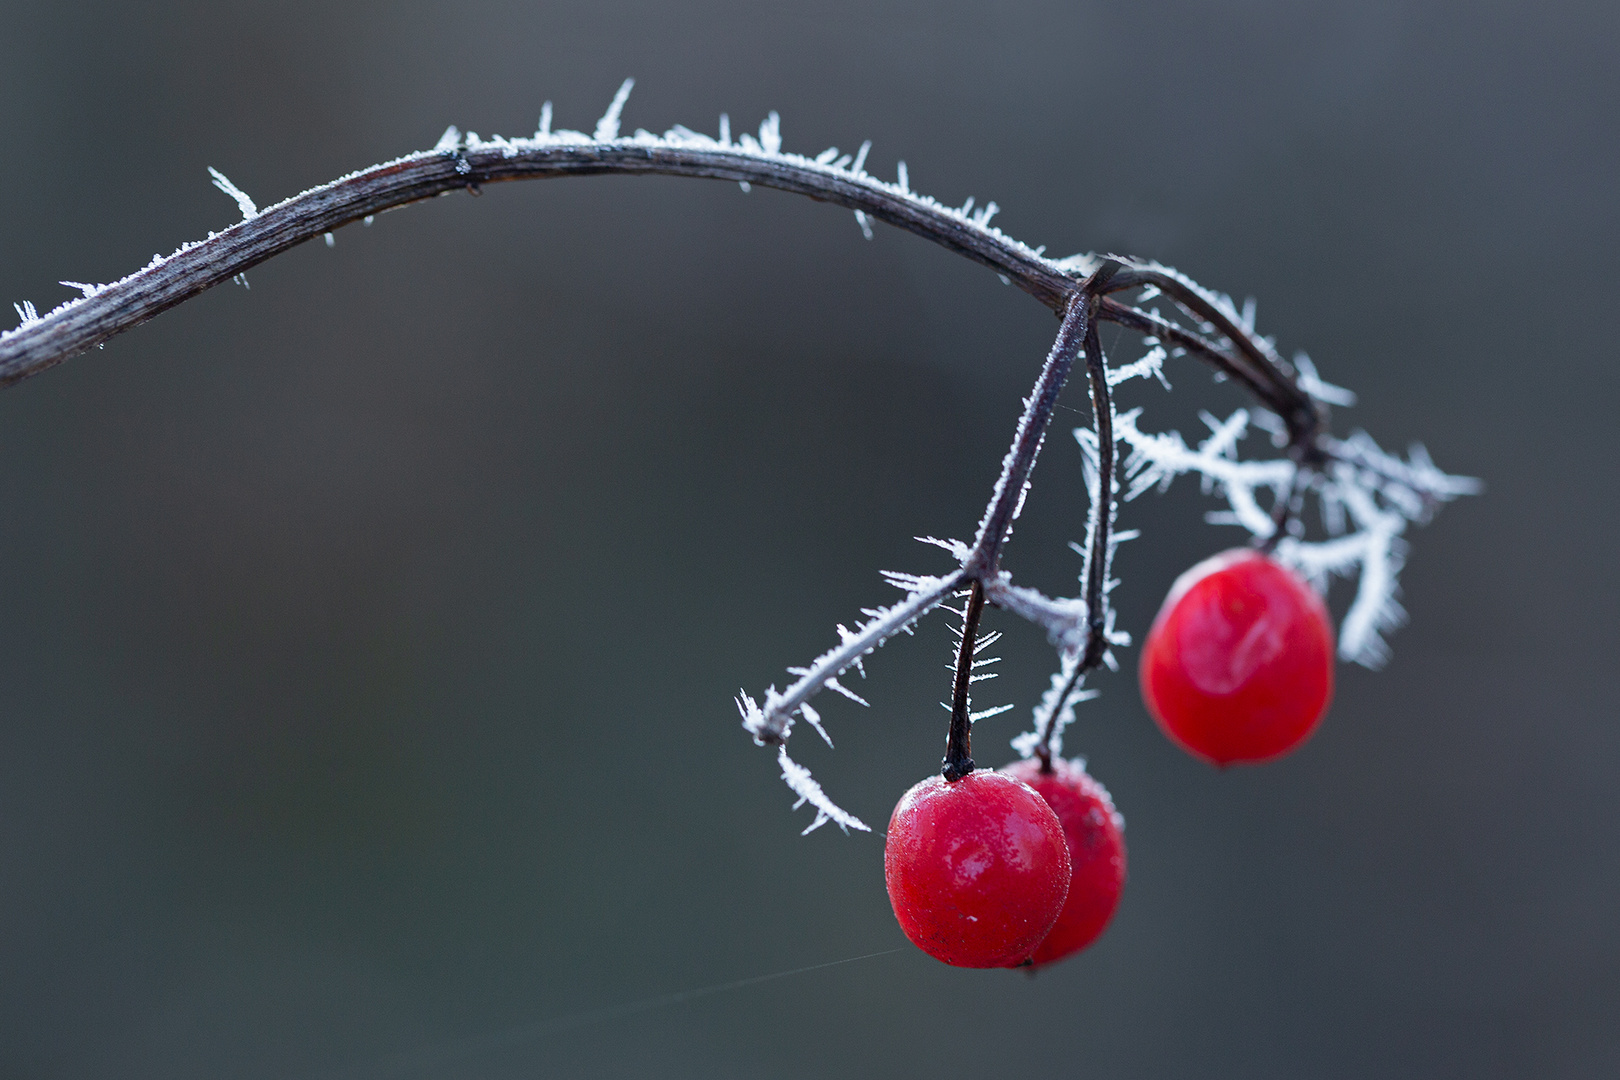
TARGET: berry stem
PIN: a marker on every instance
(1102, 412)
(1079, 331)
(1008, 497)
(959, 743)
(1044, 750)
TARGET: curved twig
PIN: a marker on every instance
(1090, 657)
(1102, 410)
(1298, 410)
(468, 163)
(1008, 496)
(111, 309)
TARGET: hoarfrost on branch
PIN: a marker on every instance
(1367, 497)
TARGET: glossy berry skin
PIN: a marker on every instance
(1096, 851)
(1239, 663)
(977, 869)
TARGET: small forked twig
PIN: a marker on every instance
(979, 563)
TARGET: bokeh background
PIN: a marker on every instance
(369, 636)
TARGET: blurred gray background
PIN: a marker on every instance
(369, 636)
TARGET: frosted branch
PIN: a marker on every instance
(805, 787)
(243, 202)
(1362, 488)
(1007, 499)
(1064, 619)
(1156, 460)
(1255, 359)
(464, 161)
(1367, 497)
(772, 722)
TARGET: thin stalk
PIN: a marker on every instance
(1044, 750)
(1008, 496)
(1102, 412)
(959, 742)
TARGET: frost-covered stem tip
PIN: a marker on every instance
(1043, 750)
(959, 742)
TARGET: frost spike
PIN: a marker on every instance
(798, 778)
(448, 143)
(813, 718)
(544, 130)
(838, 687)
(1313, 385)
(243, 203)
(607, 128)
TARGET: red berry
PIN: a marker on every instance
(1239, 663)
(1096, 850)
(977, 869)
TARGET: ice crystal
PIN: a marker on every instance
(1151, 365)
(1367, 498)
(805, 787)
(243, 202)
(607, 128)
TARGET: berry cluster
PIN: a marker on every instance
(1025, 866)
